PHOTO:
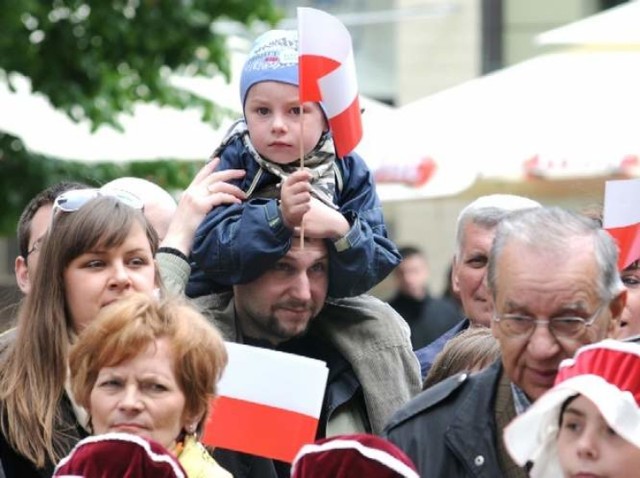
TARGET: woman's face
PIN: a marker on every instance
(588, 447)
(101, 276)
(140, 396)
(630, 320)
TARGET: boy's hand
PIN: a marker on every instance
(295, 198)
(323, 222)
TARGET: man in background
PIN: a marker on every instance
(428, 317)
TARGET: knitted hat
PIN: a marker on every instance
(352, 455)
(274, 57)
(118, 454)
(608, 374)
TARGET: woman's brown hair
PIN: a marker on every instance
(129, 326)
(34, 372)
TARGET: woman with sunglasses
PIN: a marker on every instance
(98, 249)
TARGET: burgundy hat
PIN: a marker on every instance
(119, 454)
(352, 455)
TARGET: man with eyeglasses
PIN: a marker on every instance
(555, 287)
(32, 226)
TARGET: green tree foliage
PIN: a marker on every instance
(96, 58)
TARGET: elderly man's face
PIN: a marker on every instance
(280, 304)
(469, 273)
(547, 286)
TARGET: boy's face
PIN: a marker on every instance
(588, 447)
(272, 111)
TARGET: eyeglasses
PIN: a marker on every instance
(520, 326)
(73, 200)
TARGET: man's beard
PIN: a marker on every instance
(272, 326)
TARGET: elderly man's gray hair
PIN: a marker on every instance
(488, 211)
(551, 229)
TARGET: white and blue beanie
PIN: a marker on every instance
(274, 57)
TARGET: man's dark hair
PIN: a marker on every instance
(43, 198)
(408, 251)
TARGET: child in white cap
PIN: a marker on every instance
(588, 424)
(236, 243)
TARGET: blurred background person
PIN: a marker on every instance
(449, 294)
(428, 317)
(630, 320)
(150, 368)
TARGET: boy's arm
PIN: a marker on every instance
(236, 243)
(365, 255)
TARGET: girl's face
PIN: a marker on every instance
(589, 448)
(630, 320)
(273, 116)
(101, 276)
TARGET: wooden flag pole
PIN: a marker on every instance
(300, 139)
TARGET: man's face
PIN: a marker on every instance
(630, 320)
(280, 303)
(544, 286)
(412, 274)
(469, 273)
(25, 267)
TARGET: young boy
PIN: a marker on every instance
(336, 196)
(588, 424)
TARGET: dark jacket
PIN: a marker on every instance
(236, 243)
(428, 318)
(427, 355)
(449, 429)
(17, 466)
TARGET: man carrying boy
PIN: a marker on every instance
(337, 198)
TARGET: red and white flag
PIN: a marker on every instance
(327, 73)
(269, 403)
(621, 218)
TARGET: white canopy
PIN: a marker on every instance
(573, 113)
(618, 26)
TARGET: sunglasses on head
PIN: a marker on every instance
(73, 200)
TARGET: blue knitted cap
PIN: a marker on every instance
(274, 57)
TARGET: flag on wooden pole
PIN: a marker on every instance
(327, 73)
(269, 403)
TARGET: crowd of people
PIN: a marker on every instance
(118, 344)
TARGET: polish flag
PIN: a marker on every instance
(327, 73)
(269, 403)
(622, 218)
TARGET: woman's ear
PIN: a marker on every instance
(191, 423)
(22, 274)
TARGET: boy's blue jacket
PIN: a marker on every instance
(237, 243)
